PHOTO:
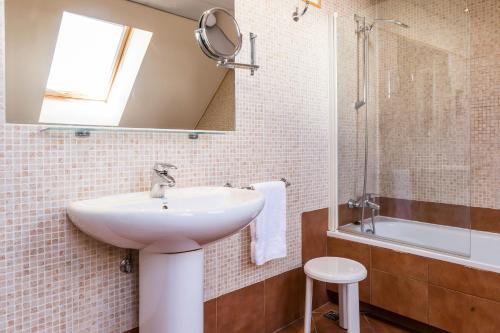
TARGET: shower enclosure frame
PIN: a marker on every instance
(334, 228)
(333, 114)
(333, 123)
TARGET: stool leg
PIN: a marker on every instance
(343, 306)
(352, 308)
(308, 311)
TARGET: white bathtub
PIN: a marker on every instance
(477, 249)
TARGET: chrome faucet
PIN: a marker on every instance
(369, 202)
(366, 202)
(161, 179)
(375, 208)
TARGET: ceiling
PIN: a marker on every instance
(191, 9)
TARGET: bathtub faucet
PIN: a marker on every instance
(366, 201)
(375, 208)
(372, 205)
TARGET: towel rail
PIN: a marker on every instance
(284, 180)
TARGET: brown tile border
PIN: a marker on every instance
(314, 228)
(399, 294)
(441, 301)
(432, 212)
(282, 299)
(348, 215)
(134, 330)
(446, 292)
(242, 310)
(477, 218)
(314, 245)
(399, 263)
(468, 280)
(459, 312)
(263, 307)
(210, 316)
(485, 219)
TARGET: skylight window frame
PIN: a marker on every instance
(57, 110)
(120, 54)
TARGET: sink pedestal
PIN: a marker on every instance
(171, 292)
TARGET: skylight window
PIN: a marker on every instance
(93, 71)
(86, 58)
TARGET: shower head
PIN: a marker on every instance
(397, 22)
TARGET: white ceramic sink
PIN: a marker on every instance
(169, 233)
(195, 216)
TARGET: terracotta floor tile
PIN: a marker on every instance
(296, 327)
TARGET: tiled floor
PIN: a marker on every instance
(324, 325)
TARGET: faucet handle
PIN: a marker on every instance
(353, 203)
(163, 167)
(371, 196)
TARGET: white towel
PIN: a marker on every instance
(268, 230)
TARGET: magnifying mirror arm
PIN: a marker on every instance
(230, 64)
(226, 63)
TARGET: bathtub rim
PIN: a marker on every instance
(395, 241)
(405, 248)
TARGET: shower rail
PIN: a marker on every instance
(361, 28)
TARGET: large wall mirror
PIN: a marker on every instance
(114, 63)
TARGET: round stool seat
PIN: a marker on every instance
(335, 270)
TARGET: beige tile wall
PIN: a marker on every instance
(220, 111)
(426, 156)
(54, 278)
(446, 104)
(437, 134)
(485, 103)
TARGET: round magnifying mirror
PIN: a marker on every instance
(219, 35)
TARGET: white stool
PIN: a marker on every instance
(346, 273)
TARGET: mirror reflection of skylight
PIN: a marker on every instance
(94, 68)
(85, 58)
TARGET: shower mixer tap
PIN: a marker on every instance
(363, 202)
(370, 203)
(363, 31)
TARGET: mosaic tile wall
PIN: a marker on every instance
(485, 103)
(448, 133)
(54, 278)
(437, 127)
(220, 111)
(423, 88)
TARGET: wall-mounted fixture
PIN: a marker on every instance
(284, 180)
(297, 14)
(220, 38)
(127, 263)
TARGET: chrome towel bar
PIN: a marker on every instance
(284, 180)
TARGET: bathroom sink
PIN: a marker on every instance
(184, 220)
(169, 233)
